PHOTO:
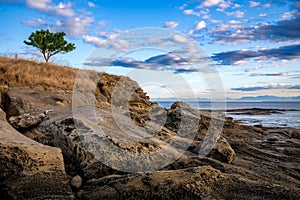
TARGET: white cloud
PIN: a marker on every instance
(74, 26)
(206, 17)
(48, 7)
(201, 12)
(240, 62)
(109, 40)
(68, 21)
(200, 25)
(121, 45)
(35, 22)
(287, 15)
(179, 38)
(64, 9)
(110, 35)
(190, 12)
(237, 14)
(58, 23)
(94, 40)
(91, 4)
(267, 5)
(42, 5)
(232, 24)
(254, 4)
(208, 3)
(263, 15)
(237, 6)
(223, 6)
(170, 24)
(261, 66)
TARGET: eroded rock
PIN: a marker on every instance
(27, 121)
(222, 151)
(191, 183)
(29, 170)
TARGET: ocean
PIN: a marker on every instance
(289, 117)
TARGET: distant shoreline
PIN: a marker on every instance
(229, 101)
(267, 114)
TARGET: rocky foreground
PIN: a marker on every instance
(121, 145)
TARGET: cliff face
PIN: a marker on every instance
(125, 146)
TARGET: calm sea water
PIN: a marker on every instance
(289, 118)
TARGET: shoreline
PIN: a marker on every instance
(52, 159)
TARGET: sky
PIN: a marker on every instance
(196, 48)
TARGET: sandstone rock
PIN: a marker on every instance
(26, 120)
(191, 183)
(110, 145)
(136, 127)
(2, 115)
(76, 182)
(222, 151)
(29, 170)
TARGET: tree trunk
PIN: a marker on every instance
(45, 57)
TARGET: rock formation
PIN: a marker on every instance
(26, 120)
(191, 183)
(30, 170)
(124, 146)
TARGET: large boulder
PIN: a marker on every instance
(203, 124)
(30, 170)
(222, 151)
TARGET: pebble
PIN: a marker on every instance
(76, 182)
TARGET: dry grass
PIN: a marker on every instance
(19, 72)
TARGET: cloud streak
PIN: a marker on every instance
(166, 62)
(35, 22)
(291, 52)
(171, 24)
(268, 87)
(282, 74)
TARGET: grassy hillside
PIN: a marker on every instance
(41, 83)
(19, 72)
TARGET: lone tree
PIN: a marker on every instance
(49, 43)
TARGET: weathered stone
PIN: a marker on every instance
(86, 148)
(2, 115)
(76, 182)
(222, 151)
(135, 126)
(191, 183)
(25, 164)
(26, 120)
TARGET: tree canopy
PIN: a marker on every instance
(49, 43)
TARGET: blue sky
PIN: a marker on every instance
(253, 46)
